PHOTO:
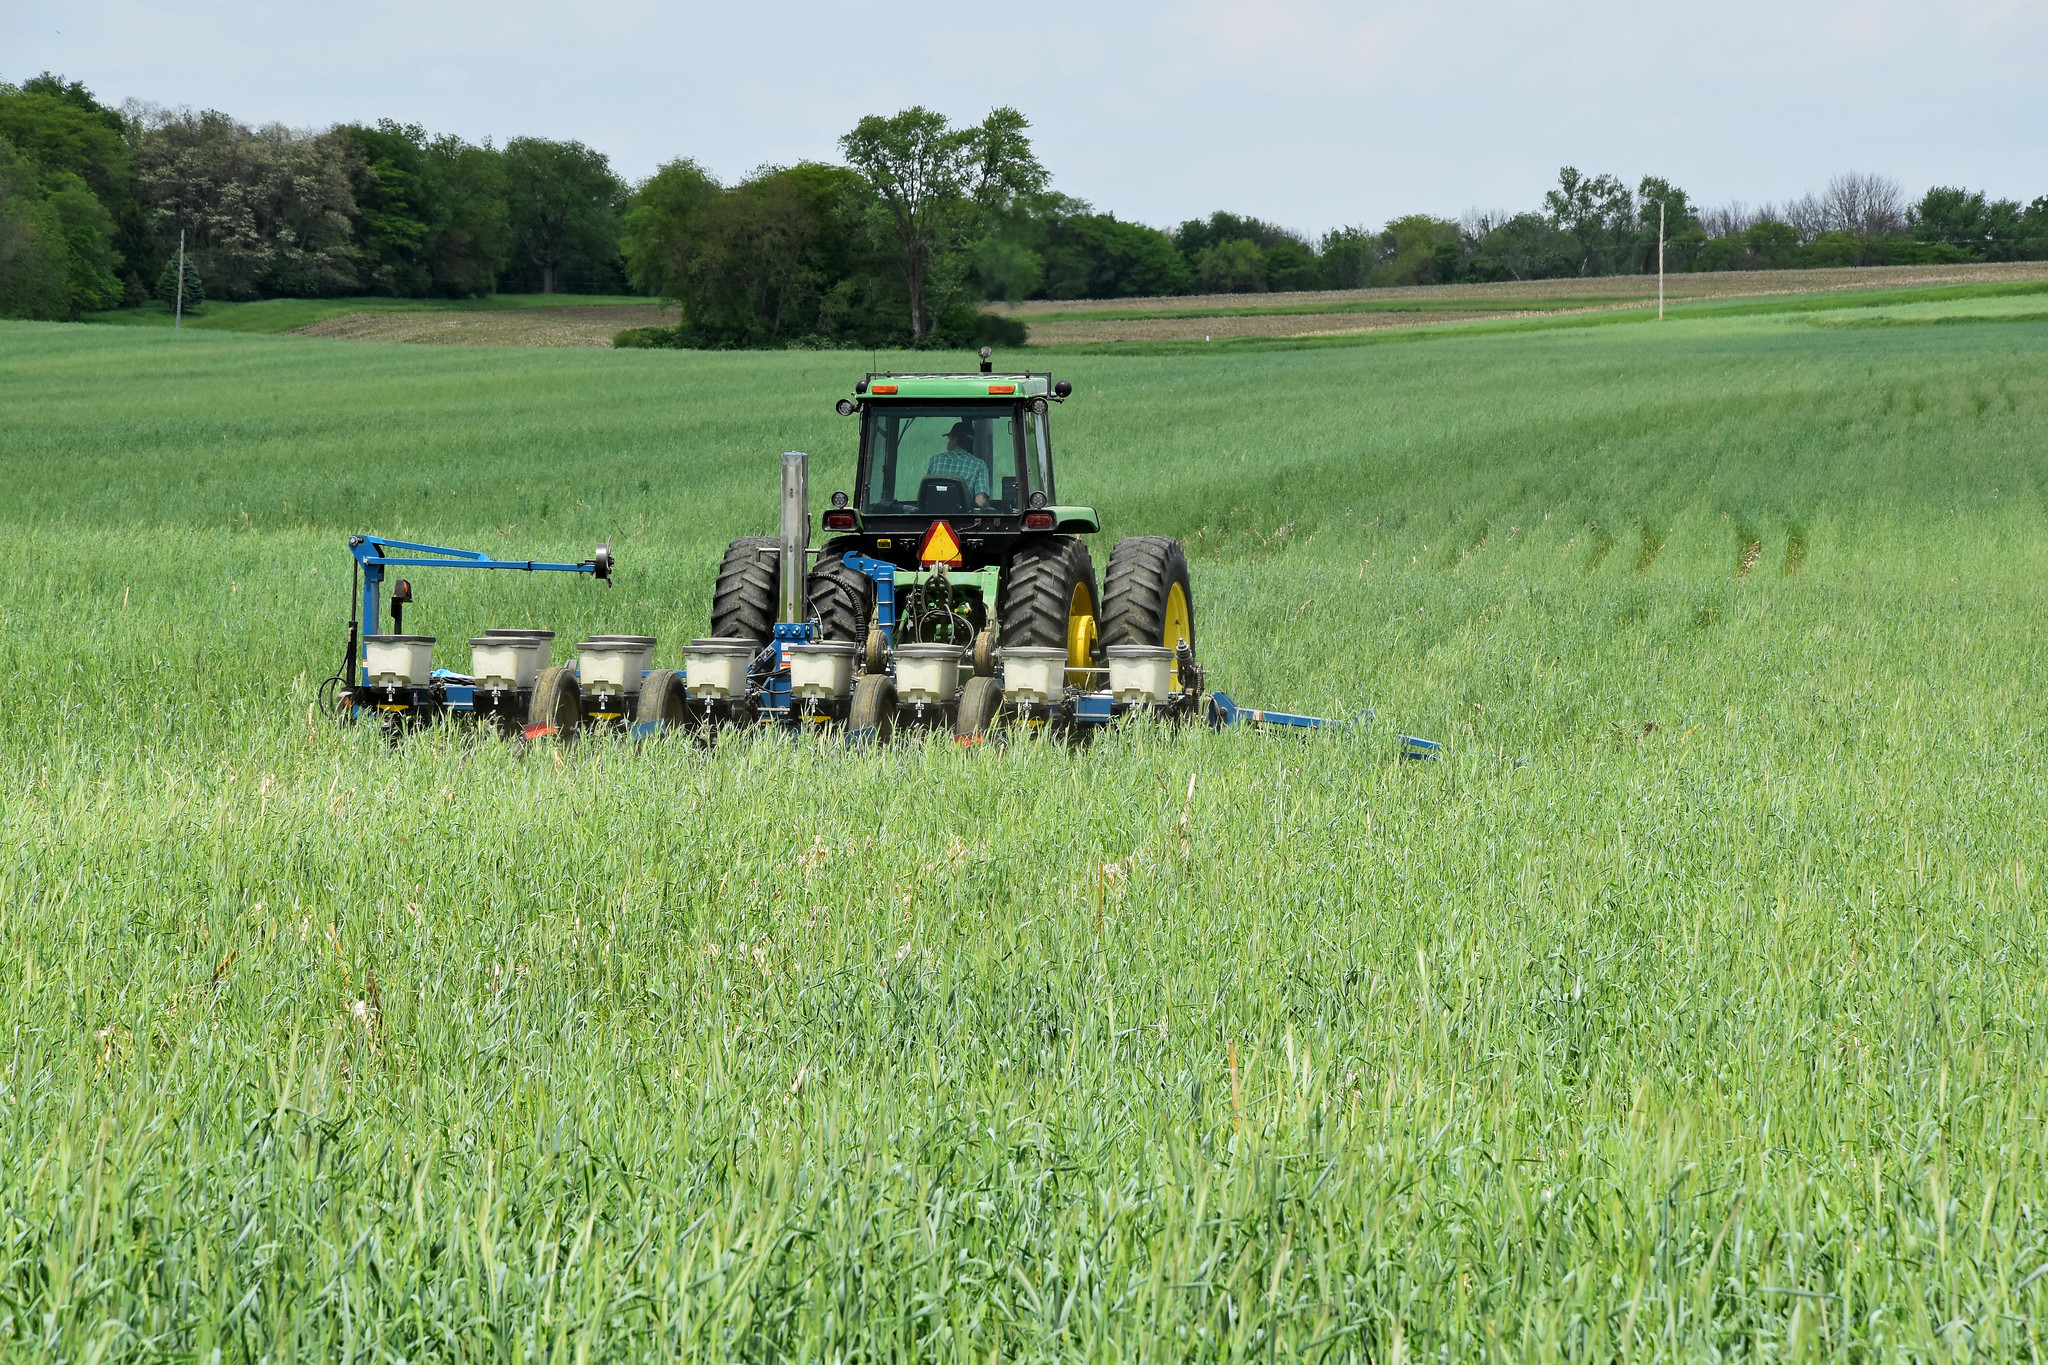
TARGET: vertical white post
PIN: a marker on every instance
(1660, 260)
(796, 534)
(178, 303)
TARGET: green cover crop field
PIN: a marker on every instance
(1694, 1006)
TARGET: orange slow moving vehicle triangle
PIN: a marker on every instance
(941, 546)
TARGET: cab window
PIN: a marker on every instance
(941, 459)
(1037, 456)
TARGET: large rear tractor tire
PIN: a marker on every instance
(663, 700)
(981, 702)
(743, 604)
(874, 708)
(842, 598)
(1048, 600)
(557, 703)
(1146, 596)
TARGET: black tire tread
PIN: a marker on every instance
(842, 599)
(1037, 585)
(743, 602)
(1142, 570)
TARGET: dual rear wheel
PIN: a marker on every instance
(1047, 598)
(1146, 597)
(1047, 595)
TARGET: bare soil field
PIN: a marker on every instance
(1190, 317)
(568, 326)
(1325, 312)
(1170, 327)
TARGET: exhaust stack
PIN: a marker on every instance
(796, 533)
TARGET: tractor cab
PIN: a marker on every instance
(972, 450)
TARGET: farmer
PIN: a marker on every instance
(958, 461)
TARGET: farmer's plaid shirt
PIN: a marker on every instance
(960, 464)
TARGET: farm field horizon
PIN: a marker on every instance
(1331, 315)
(1690, 1007)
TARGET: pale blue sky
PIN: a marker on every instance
(1311, 113)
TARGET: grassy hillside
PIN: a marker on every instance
(1690, 1007)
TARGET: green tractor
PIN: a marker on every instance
(955, 590)
(955, 536)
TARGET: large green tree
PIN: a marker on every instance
(474, 242)
(1418, 249)
(1348, 255)
(69, 176)
(58, 125)
(1987, 229)
(34, 261)
(1232, 253)
(431, 212)
(564, 203)
(1197, 235)
(1527, 246)
(934, 191)
(1600, 214)
(1098, 256)
(268, 212)
(780, 257)
(1683, 237)
(1237, 266)
(662, 229)
(398, 209)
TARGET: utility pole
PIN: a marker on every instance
(178, 304)
(1660, 260)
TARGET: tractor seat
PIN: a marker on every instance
(944, 493)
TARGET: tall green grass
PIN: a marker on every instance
(1691, 1007)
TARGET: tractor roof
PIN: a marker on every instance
(959, 386)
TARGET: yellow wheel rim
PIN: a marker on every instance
(1080, 632)
(1178, 627)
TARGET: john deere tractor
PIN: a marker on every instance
(955, 536)
(955, 590)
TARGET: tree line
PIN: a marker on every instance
(94, 202)
(905, 242)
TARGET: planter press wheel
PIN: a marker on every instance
(874, 707)
(557, 703)
(981, 702)
(663, 700)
